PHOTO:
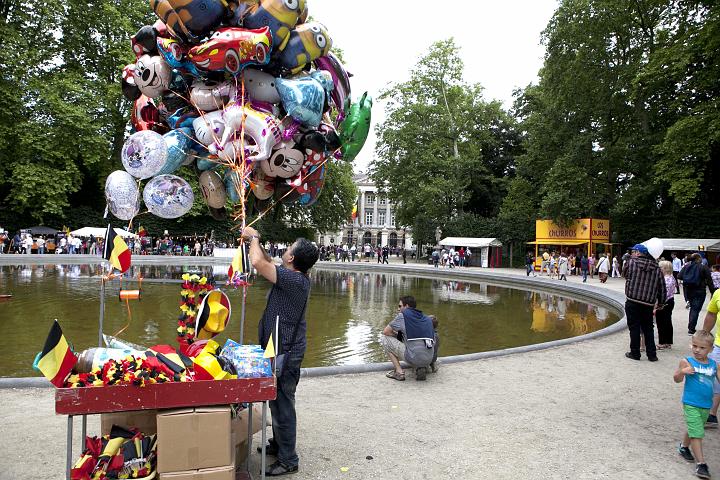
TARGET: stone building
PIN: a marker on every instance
(374, 223)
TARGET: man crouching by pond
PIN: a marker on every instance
(410, 337)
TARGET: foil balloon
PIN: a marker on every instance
(175, 55)
(207, 161)
(144, 154)
(209, 128)
(264, 130)
(261, 86)
(152, 75)
(122, 195)
(229, 181)
(231, 49)
(280, 16)
(212, 189)
(312, 178)
(179, 143)
(209, 95)
(189, 20)
(306, 43)
(303, 99)
(168, 196)
(146, 116)
(144, 41)
(355, 128)
(263, 187)
(285, 162)
(341, 80)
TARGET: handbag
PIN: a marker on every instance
(281, 358)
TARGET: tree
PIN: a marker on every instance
(442, 149)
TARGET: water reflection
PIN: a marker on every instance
(346, 313)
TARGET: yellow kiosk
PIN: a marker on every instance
(583, 235)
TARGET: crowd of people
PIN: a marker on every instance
(450, 258)
(353, 253)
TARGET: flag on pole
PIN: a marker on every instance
(116, 250)
(353, 215)
(270, 349)
(56, 360)
(141, 231)
(240, 263)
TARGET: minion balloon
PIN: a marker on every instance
(306, 43)
(280, 15)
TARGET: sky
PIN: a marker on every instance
(499, 43)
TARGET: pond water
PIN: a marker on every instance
(346, 313)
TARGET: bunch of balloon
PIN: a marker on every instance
(246, 93)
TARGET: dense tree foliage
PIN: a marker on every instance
(443, 151)
(624, 120)
(623, 123)
(63, 119)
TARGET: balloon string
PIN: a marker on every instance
(127, 303)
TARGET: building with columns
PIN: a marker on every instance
(374, 223)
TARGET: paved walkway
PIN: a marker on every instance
(580, 411)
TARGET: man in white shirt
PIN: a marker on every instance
(677, 265)
(40, 245)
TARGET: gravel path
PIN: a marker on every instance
(578, 411)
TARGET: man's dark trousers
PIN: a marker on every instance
(696, 297)
(640, 319)
(284, 420)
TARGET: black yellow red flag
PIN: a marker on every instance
(116, 250)
(56, 359)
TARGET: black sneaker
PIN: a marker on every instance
(652, 359)
(702, 470)
(711, 421)
(420, 373)
(279, 468)
(270, 449)
(631, 356)
(685, 453)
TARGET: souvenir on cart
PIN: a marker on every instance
(213, 315)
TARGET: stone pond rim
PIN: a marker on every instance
(613, 300)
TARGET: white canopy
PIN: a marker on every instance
(470, 242)
(691, 244)
(100, 232)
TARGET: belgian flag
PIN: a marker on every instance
(116, 250)
(56, 359)
(240, 263)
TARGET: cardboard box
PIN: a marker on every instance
(143, 419)
(218, 473)
(194, 439)
(240, 431)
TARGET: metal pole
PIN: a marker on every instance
(102, 312)
(84, 430)
(264, 440)
(68, 463)
(249, 437)
(242, 314)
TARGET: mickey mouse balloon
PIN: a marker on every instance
(168, 196)
(122, 195)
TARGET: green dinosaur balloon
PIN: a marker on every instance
(355, 128)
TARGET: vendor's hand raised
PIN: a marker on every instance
(248, 233)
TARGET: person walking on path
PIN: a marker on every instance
(699, 373)
(676, 266)
(584, 264)
(591, 266)
(287, 301)
(562, 267)
(410, 337)
(696, 278)
(615, 267)
(644, 289)
(663, 314)
(710, 323)
(603, 268)
(530, 264)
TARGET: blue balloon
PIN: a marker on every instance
(179, 143)
(232, 192)
(204, 164)
(303, 99)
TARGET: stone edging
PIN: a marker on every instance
(614, 300)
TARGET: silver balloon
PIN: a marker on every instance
(122, 195)
(144, 154)
(168, 196)
(212, 189)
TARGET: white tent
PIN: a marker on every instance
(691, 244)
(470, 242)
(100, 232)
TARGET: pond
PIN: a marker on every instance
(346, 313)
